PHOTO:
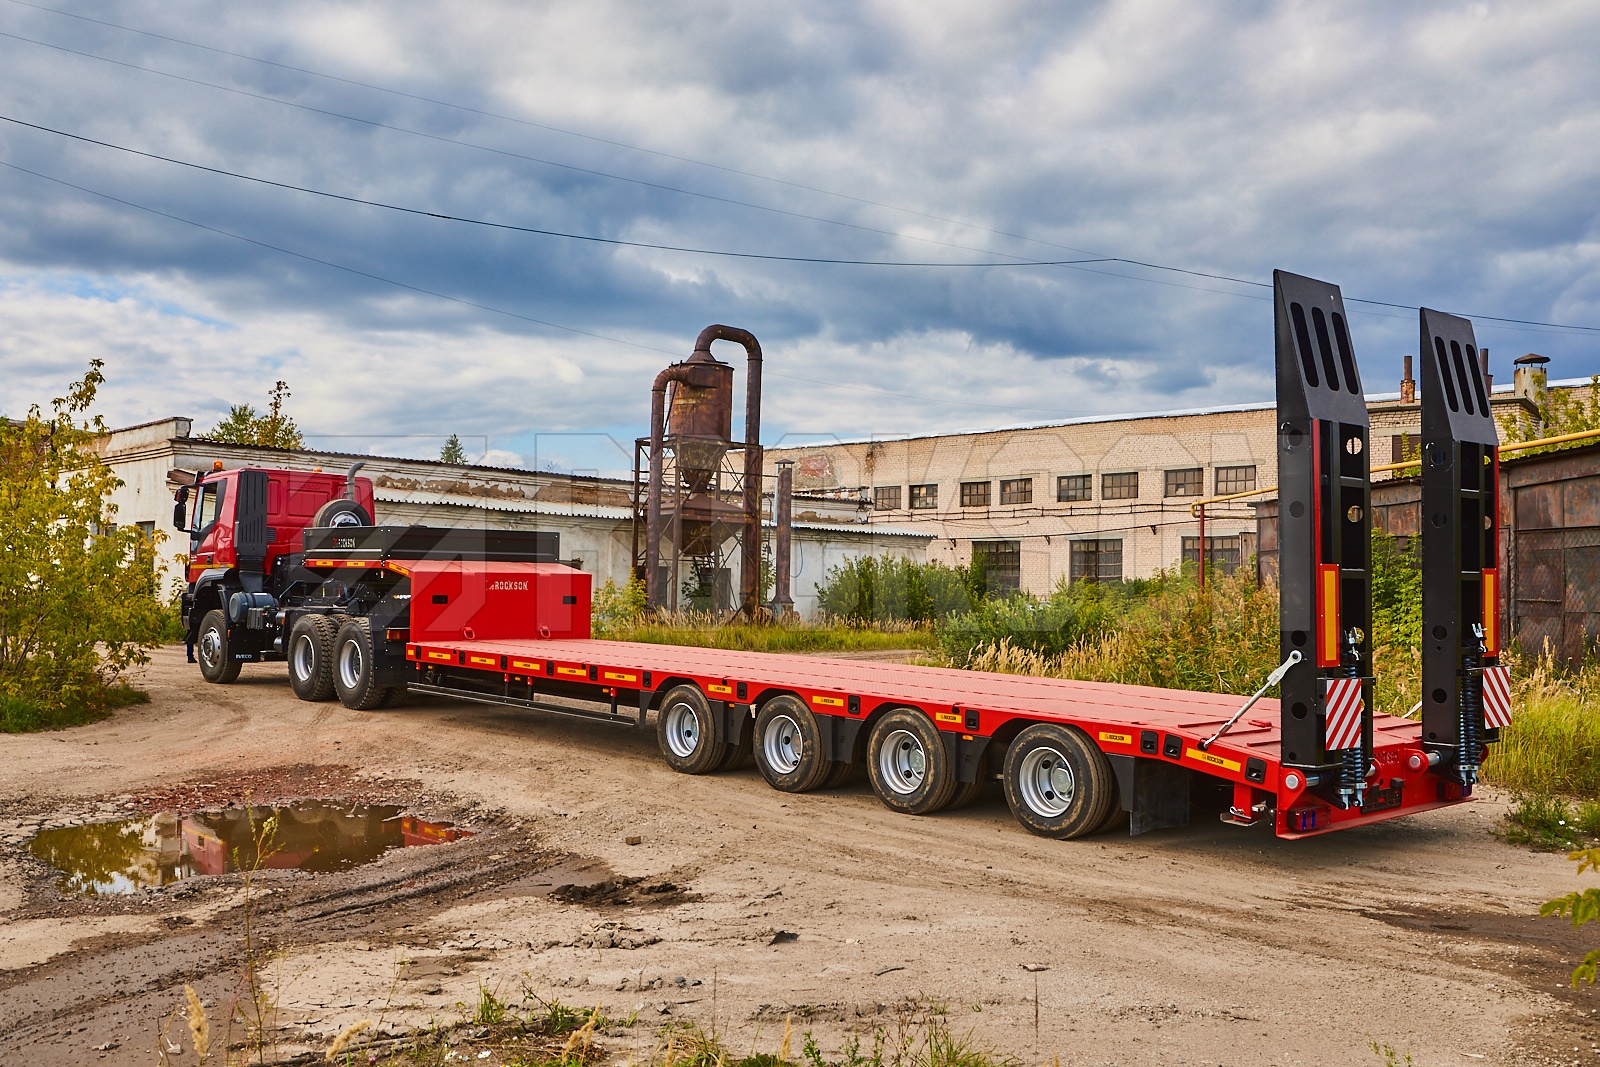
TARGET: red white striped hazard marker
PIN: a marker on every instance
(1496, 696)
(1343, 704)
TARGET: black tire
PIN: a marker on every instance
(1116, 819)
(788, 746)
(311, 657)
(908, 764)
(965, 794)
(341, 513)
(1057, 782)
(217, 664)
(843, 774)
(354, 677)
(740, 755)
(687, 732)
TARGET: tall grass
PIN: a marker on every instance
(1553, 742)
(702, 631)
(1225, 641)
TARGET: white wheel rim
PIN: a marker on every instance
(782, 745)
(304, 658)
(211, 646)
(1046, 782)
(902, 762)
(683, 729)
(350, 664)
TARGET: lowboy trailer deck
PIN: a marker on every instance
(366, 613)
(1144, 733)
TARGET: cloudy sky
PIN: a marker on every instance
(1426, 153)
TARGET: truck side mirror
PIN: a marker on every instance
(180, 509)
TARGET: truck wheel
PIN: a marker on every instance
(354, 676)
(311, 657)
(788, 746)
(908, 764)
(1057, 782)
(687, 732)
(211, 649)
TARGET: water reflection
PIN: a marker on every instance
(110, 858)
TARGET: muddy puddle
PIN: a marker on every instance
(125, 856)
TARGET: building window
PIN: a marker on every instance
(974, 494)
(1001, 563)
(1222, 553)
(1190, 481)
(147, 530)
(1016, 491)
(1405, 448)
(886, 498)
(1098, 560)
(1236, 480)
(1119, 486)
(1071, 487)
(924, 497)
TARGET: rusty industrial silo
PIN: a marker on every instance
(698, 498)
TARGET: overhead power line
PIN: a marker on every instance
(592, 238)
(573, 168)
(852, 387)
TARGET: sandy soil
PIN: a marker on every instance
(1207, 945)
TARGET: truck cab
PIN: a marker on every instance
(247, 526)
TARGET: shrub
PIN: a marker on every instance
(79, 601)
(873, 589)
(1072, 614)
(615, 610)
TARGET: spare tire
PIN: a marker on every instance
(341, 512)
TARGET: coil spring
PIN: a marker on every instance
(1469, 716)
(1353, 761)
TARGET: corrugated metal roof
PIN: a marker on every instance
(519, 507)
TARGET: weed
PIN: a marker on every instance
(1551, 823)
(1388, 1055)
(491, 1010)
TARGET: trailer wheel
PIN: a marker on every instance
(1057, 782)
(211, 649)
(788, 746)
(311, 641)
(908, 764)
(687, 732)
(354, 677)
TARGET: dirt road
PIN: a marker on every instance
(1208, 945)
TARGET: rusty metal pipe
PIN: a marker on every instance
(652, 546)
(783, 519)
(750, 540)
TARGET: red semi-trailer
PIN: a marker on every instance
(366, 613)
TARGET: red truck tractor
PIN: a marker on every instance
(288, 566)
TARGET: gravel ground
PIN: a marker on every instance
(1206, 945)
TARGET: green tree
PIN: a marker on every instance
(1562, 411)
(1583, 908)
(244, 426)
(452, 452)
(79, 601)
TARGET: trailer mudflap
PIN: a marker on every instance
(1154, 793)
